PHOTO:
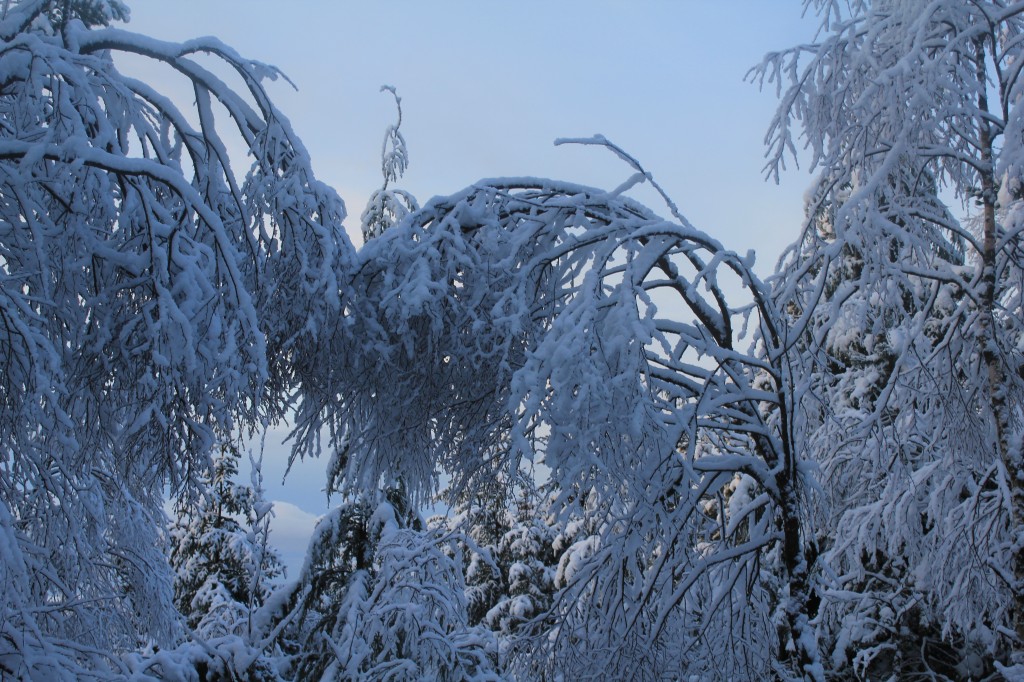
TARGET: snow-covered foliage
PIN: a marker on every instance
(409, 622)
(220, 553)
(508, 550)
(525, 554)
(149, 297)
(911, 325)
(381, 597)
(818, 475)
(531, 319)
(339, 555)
(388, 206)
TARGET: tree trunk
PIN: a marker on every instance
(997, 377)
(798, 646)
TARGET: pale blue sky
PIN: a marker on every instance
(487, 86)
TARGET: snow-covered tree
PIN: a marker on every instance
(482, 518)
(151, 295)
(911, 319)
(224, 569)
(548, 321)
(381, 597)
(89, 12)
(388, 205)
(508, 553)
(220, 552)
(151, 298)
(525, 554)
(407, 619)
(340, 550)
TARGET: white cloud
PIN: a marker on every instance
(289, 533)
(291, 527)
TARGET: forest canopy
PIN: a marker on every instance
(661, 465)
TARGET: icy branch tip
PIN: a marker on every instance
(595, 139)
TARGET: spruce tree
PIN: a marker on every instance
(223, 565)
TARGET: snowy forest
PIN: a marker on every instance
(659, 465)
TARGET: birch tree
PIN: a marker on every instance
(535, 319)
(151, 295)
(899, 104)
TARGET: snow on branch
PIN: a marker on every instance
(534, 319)
(150, 297)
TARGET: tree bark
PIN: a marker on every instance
(996, 372)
